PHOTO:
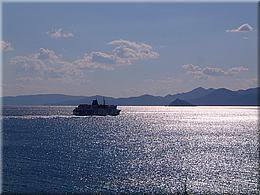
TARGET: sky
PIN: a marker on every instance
(127, 49)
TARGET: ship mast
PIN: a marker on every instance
(104, 103)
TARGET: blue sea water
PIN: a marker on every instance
(144, 149)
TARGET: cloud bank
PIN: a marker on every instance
(46, 63)
(242, 28)
(59, 33)
(199, 72)
(42, 65)
(6, 46)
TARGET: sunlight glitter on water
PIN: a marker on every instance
(144, 149)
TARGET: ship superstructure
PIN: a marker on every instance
(96, 109)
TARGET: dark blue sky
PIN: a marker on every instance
(127, 49)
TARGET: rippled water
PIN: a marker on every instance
(144, 149)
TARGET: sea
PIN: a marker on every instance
(145, 149)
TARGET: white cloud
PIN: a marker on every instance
(46, 54)
(194, 70)
(68, 34)
(191, 67)
(103, 58)
(213, 71)
(94, 60)
(59, 33)
(47, 64)
(126, 52)
(6, 46)
(43, 64)
(199, 72)
(242, 28)
(236, 70)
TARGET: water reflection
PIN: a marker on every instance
(144, 149)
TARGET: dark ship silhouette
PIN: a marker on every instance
(96, 109)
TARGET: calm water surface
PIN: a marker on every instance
(144, 149)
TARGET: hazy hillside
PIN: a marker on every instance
(179, 102)
(195, 93)
(227, 97)
(198, 96)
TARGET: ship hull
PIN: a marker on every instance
(96, 113)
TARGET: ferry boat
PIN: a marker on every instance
(96, 109)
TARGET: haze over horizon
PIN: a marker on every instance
(127, 49)
(104, 95)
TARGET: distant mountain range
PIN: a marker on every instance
(199, 96)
